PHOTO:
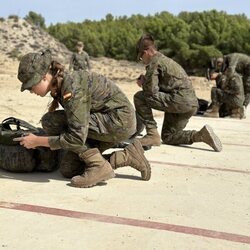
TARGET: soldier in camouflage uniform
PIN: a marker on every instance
(227, 97)
(80, 59)
(96, 116)
(239, 63)
(166, 87)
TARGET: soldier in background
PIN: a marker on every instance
(239, 63)
(166, 87)
(96, 116)
(80, 59)
(227, 97)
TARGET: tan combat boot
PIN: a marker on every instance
(236, 114)
(207, 135)
(98, 169)
(152, 138)
(132, 155)
(213, 112)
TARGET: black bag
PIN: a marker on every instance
(203, 106)
(16, 158)
(7, 133)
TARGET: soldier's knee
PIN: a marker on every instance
(45, 120)
(54, 122)
(138, 96)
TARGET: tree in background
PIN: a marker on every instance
(35, 19)
(191, 38)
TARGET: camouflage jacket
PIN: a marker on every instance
(232, 88)
(166, 76)
(83, 93)
(79, 61)
(237, 62)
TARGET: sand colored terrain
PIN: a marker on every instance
(31, 107)
(196, 198)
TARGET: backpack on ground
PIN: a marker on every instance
(16, 158)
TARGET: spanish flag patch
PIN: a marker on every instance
(67, 96)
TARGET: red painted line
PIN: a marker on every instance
(201, 167)
(127, 221)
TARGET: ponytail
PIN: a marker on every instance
(57, 71)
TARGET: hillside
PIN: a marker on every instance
(19, 37)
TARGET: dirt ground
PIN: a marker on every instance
(196, 198)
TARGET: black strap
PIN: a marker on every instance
(18, 123)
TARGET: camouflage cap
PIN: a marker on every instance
(32, 68)
(144, 43)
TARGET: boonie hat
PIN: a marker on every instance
(32, 68)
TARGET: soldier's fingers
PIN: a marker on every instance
(18, 139)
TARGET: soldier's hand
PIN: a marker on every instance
(140, 80)
(28, 141)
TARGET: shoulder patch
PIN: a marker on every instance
(67, 96)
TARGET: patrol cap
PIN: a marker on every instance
(144, 43)
(32, 68)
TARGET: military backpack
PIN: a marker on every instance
(16, 158)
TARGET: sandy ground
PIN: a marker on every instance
(196, 198)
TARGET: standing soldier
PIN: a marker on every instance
(80, 59)
(96, 116)
(166, 87)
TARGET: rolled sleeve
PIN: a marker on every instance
(54, 142)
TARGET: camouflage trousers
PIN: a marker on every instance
(226, 101)
(176, 117)
(105, 129)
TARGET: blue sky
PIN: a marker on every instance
(55, 11)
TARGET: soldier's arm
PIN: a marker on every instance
(151, 83)
(232, 64)
(235, 85)
(77, 109)
(32, 141)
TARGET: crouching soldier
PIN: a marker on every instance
(227, 97)
(235, 63)
(167, 88)
(96, 115)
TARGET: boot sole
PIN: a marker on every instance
(210, 115)
(104, 178)
(149, 145)
(213, 139)
(146, 175)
